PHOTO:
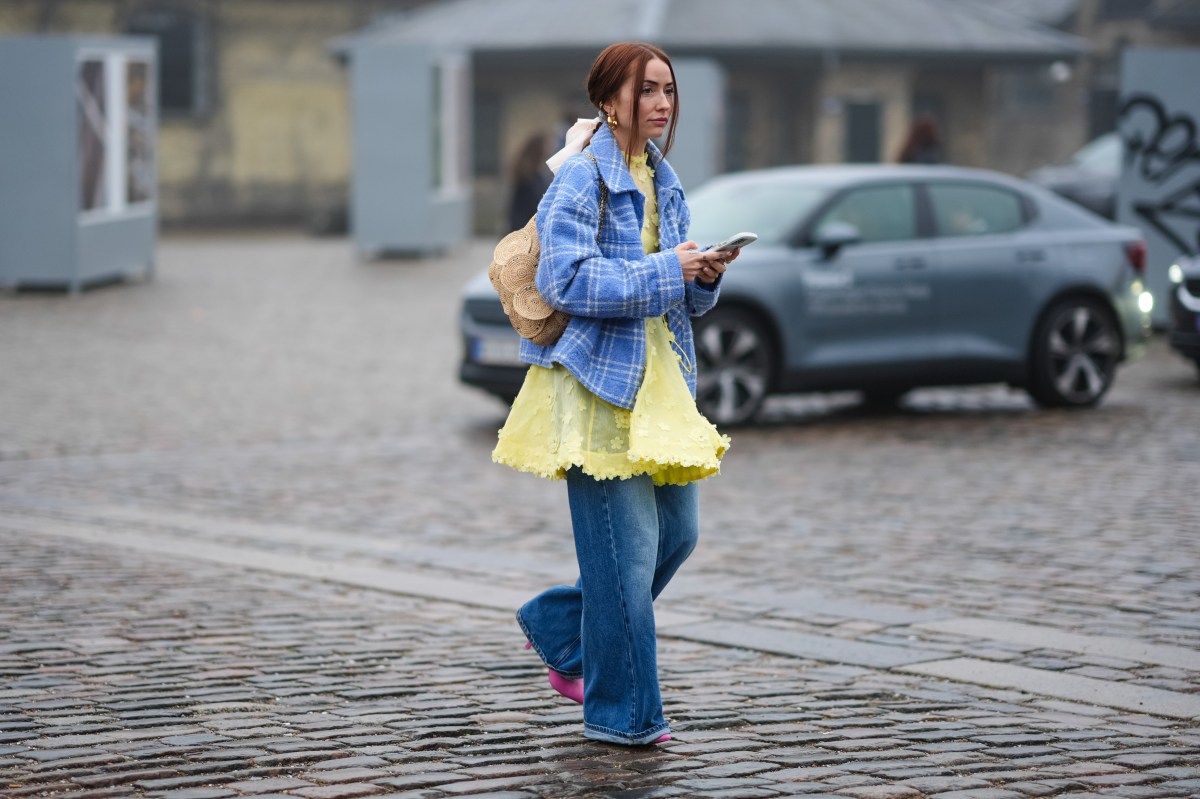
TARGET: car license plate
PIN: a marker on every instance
(496, 351)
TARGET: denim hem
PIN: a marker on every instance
(598, 733)
(570, 675)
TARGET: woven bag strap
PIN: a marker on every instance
(603, 197)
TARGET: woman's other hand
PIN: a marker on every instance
(703, 266)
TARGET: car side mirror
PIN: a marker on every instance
(832, 237)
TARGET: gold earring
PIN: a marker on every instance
(612, 121)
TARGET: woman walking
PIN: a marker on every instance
(611, 406)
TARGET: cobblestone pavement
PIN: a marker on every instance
(254, 546)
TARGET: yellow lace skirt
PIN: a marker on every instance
(555, 423)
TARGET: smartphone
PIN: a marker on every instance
(733, 243)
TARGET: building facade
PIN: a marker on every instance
(830, 81)
(256, 113)
(1110, 27)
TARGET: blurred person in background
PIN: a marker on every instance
(530, 178)
(924, 143)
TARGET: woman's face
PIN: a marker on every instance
(656, 101)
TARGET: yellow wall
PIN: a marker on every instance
(72, 16)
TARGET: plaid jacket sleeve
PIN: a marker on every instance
(701, 297)
(577, 276)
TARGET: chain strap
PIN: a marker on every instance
(684, 361)
(603, 197)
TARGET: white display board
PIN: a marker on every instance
(78, 197)
(1159, 190)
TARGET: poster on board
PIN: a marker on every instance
(140, 133)
(91, 113)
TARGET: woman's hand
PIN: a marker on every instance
(703, 266)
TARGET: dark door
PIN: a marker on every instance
(862, 133)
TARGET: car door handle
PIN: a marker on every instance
(910, 262)
(1030, 256)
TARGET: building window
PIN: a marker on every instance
(182, 49)
(486, 140)
(737, 142)
(1125, 9)
(1024, 90)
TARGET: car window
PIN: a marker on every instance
(772, 210)
(973, 210)
(880, 213)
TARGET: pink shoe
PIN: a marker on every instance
(662, 738)
(571, 689)
(529, 644)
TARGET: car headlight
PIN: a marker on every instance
(1175, 274)
(1146, 302)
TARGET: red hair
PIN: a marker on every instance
(614, 66)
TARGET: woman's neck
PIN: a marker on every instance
(622, 137)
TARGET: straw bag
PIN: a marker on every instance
(513, 273)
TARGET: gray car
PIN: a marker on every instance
(1090, 177)
(886, 278)
(1184, 301)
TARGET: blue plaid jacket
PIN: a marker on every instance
(610, 289)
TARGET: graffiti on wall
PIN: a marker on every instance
(1159, 147)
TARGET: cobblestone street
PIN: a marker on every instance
(255, 546)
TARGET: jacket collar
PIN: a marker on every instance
(614, 171)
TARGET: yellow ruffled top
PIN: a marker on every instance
(643, 176)
(555, 423)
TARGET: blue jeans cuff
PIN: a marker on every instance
(597, 733)
(570, 675)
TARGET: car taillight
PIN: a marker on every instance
(1136, 253)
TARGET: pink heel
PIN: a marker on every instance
(571, 689)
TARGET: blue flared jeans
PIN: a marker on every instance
(630, 538)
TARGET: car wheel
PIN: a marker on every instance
(1075, 352)
(734, 358)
